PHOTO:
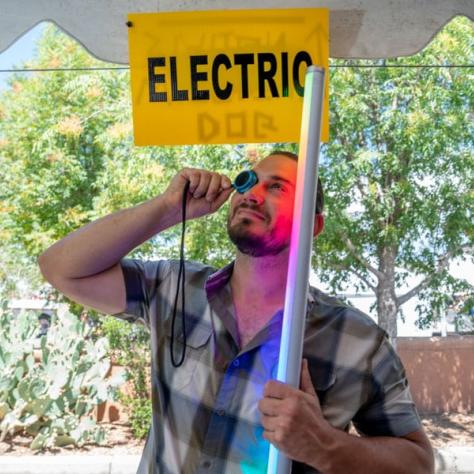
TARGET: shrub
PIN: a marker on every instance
(129, 345)
(51, 399)
(139, 410)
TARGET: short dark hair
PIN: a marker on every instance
(320, 192)
(44, 316)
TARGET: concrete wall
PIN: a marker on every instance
(440, 372)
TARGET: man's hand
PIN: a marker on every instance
(207, 192)
(293, 421)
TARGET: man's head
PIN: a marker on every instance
(44, 318)
(260, 220)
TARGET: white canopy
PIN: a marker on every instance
(358, 28)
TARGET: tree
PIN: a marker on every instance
(67, 157)
(397, 172)
(399, 175)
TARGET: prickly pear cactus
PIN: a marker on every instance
(53, 398)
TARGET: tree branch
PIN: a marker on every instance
(357, 274)
(443, 263)
(366, 264)
(360, 187)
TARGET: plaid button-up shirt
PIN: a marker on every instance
(205, 416)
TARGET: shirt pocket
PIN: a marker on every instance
(197, 345)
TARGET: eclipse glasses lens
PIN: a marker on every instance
(245, 180)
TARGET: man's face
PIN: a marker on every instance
(260, 220)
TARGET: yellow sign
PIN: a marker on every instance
(224, 76)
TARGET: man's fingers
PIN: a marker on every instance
(208, 191)
(226, 183)
(275, 389)
(221, 198)
(205, 183)
(203, 186)
(214, 187)
(270, 406)
(270, 423)
(191, 175)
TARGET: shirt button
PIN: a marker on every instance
(206, 464)
(236, 363)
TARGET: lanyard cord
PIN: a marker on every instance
(181, 276)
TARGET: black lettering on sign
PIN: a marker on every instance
(221, 60)
(272, 73)
(284, 75)
(243, 60)
(197, 77)
(266, 74)
(176, 93)
(301, 57)
(154, 79)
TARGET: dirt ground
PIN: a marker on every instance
(443, 430)
(119, 440)
(453, 429)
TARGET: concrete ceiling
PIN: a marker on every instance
(358, 28)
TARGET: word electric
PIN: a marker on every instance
(261, 75)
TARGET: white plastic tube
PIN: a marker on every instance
(296, 297)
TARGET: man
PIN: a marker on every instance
(44, 320)
(219, 410)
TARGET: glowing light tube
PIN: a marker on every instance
(296, 297)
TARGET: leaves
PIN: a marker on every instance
(399, 170)
(53, 398)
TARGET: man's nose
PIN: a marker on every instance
(255, 195)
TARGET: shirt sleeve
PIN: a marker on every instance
(389, 410)
(142, 280)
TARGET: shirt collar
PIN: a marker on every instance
(217, 280)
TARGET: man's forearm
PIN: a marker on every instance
(102, 243)
(387, 455)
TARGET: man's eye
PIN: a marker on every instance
(276, 186)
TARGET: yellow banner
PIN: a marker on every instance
(232, 76)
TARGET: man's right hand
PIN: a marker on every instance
(207, 192)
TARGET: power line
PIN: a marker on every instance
(67, 69)
(436, 66)
(351, 66)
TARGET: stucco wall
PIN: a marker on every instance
(440, 371)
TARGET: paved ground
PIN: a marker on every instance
(452, 435)
(66, 464)
(455, 459)
(448, 460)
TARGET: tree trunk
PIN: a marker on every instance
(387, 304)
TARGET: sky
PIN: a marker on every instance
(18, 52)
(23, 49)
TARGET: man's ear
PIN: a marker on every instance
(318, 224)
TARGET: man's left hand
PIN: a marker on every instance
(292, 419)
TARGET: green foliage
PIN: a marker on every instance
(129, 346)
(399, 170)
(66, 149)
(48, 147)
(51, 399)
(140, 412)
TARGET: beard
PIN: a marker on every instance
(250, 243)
